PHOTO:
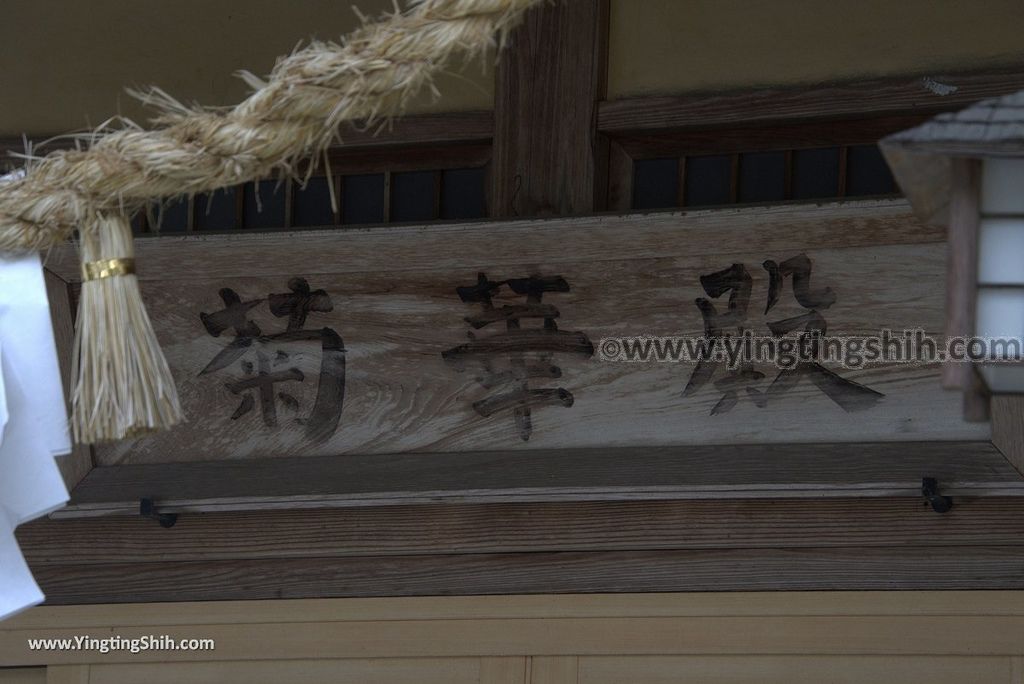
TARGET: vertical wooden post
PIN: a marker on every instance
(548, 158)
(961, 285)
(1008, 428)
(620, 178)
(79, 462)
(961, 264)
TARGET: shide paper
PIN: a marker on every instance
(33, 420)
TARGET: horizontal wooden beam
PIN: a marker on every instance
(762, 138)
(390, 249)
(353, 160)
(814, 103)
(420, 129)
(614, 474)
(525, 528)
(446, 127)
(851, 568)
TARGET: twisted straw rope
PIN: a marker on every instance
(293, 115)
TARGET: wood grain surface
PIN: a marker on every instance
(421, 530)
(627, 474)
(548, 158)
(394, 302)
(856, 568)
(820, 102)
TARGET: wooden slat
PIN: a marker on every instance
(522, 528)
(417, 129)
(854, 568)
(75, 465)
(553, 670)
(877, 96)
(547, 158)
(536, 607)
(507, 670)
(763, 137)
(962, 265)
(416, 158)
(68, 674)
(741, 471)
(24, 675)
(793, 669)
(780, 634)
(311, 671)
(389, 249)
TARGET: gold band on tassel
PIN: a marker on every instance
(107, 268)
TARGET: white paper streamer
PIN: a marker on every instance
(36, 428)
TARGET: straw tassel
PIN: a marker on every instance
(123, 386)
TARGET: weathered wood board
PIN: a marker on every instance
(776, 471)
(376, 355)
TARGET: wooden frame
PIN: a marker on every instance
(384, 159)
(639, 128)
(851, 100)
(885, 540)
(627, 474)
(615, 474)
(854, 113)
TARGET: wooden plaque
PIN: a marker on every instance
(477, 337)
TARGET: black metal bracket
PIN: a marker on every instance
(147, 509)
(930, 492)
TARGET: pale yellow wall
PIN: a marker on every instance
(23, 675)
(64, 63)
(866, 637)
(692, 45)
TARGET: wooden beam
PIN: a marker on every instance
(462, 528)
(612, 474)
(418, 129)
(352, 160)
(422, 129)
(854, 568)
(67, 674)
(392, 249)
(961, 284)
(620, 178)
(906, 94)
(548, 159)
(762, 137)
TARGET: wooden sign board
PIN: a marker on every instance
(485, 337)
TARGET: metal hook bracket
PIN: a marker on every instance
(930, 492)
(147, 509)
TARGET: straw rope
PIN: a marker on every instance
(292, 115)
(123, 386)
